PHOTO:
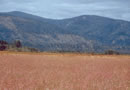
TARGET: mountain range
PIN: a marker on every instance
(86, 33)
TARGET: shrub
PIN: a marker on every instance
(111, 52)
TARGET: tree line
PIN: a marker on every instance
(15, 46)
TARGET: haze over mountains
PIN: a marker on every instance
(87, 33)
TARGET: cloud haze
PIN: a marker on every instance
(119, 9)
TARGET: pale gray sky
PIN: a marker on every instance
(58, 9)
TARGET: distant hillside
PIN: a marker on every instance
(87, 33)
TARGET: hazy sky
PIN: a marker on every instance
(119, 9)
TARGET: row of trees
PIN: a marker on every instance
(15, 46)
(4, 45)
(111, 52)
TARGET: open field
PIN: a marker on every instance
(46, 71)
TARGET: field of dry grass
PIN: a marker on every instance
(44, 71)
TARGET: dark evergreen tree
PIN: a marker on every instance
(18, 44)
(3, 45)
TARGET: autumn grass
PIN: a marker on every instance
(66, 71)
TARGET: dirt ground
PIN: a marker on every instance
(46, 71)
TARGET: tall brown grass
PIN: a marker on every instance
(47, 71)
